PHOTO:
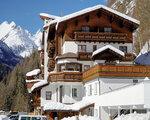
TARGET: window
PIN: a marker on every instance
(81, 48)
(95, 88)
(84, 92)
(74, 92)
(85, 29)
(135, 81)
(86, 67)
(94, 47)
(107, 29)
(123, 48)
(90, 89)
(48, 95)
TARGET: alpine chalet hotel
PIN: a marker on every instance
(87, 61)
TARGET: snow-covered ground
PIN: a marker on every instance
(81, 118)
(134, 116)
(3, 117)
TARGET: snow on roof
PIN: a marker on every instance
(36, 80)
(39, 84)
(85, 117)
(49, 16)
(56, 106)
(90, 9)
(146, 78)
(33, 72)
(108, 47)
(134, 116)
(74, 107)
(86, 101)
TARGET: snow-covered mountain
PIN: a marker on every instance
(37, 38)
(7, 59)
(19, 40)
(7, 56)
(15, 43)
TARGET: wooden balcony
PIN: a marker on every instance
(65, 77)
(116, 71)
(88, 56)
(84, 56)
(101, 37)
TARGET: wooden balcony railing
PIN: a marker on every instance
(116, 71)
(88, 56)
(65, 77)
(84, 56)
(102, 37)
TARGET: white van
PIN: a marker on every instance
(32, 117)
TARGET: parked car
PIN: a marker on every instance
(15, 115)
(32, 117)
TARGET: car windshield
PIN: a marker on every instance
(25, 118)
(36, 118)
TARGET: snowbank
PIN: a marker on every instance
(134, 116)
(33, 72)
(3, 117)
(81, 118)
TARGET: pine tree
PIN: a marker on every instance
(16, 96)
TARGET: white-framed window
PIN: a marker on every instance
(95, 88)
(48, 95)
(90, 89)
(85, 28)
(123, 48)
(107, 29)
(84, 91)
(95, 112)
(74, 92)
(86, 67)
(81, 48)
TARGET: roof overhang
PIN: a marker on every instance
(94, 8)
(105, 52)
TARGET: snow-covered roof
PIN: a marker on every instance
(85, 117)
(134, 116)
(33, 72)
(56, 106)
(45, 15)
(74, 107)
(108, 47)
(38, 84)
(36, 80)
(86, 101)
(90, 9)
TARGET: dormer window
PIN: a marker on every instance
(85, 29)
(107, 29)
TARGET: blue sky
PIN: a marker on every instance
(26, 12)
